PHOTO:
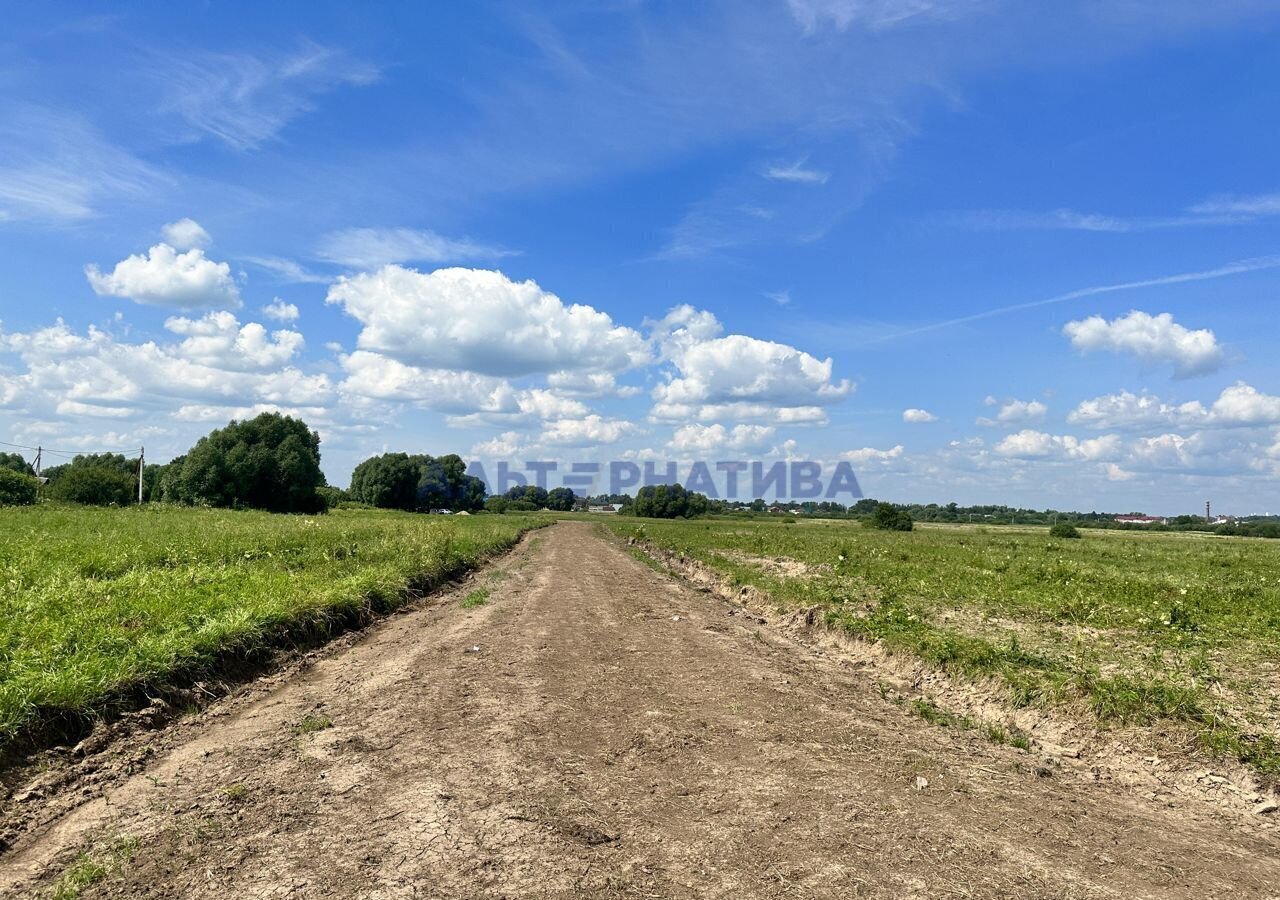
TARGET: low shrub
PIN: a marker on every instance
(888, 517)
(95, 486)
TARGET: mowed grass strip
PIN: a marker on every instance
(94, 602)
(1138, 629)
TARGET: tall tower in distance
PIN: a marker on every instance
(1207, 516)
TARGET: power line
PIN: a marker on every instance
(71, 453)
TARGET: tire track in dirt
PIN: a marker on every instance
(616, 734)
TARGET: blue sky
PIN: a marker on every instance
(984, 251)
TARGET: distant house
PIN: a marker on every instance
(607, 508)
(1141, 520)
(776, 509)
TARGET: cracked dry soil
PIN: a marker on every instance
(615, 734)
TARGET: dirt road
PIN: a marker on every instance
(598, 729)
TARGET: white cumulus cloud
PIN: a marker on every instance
(1152, 339)
(280, 311)
(185, 234)
(737, 376)
(479, 320)
(1031, 444)
(918, 416)
(219, 340)
(707, 439)
(1015, 412)
(588, 430)
(219, 363)
(165, 277)
(590, 384)
(1239, 405)
(865, 455)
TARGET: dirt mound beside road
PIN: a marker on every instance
(597, 728)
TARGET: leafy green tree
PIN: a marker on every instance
(15, 462)
(332, 496)
(419, 482)
(101, 485)
(269, 462)
(389, 481)
(529, 493)
(443, 483)
(164, 483)
(17, 488)
(668, 501)
(560, 499)
(96, 461)
(890, 518)
(1064, 530)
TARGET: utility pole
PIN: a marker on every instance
(1207, 517)
(142, 458)
(39, 454)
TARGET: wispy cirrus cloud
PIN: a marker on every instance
(245, 100)
(1239, 267)
(56, 166)
(367, 248)
(798, 172)
(1247, 205)
(877, 15)
(287, 270)
(1215, 211)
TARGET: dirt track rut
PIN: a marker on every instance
(615, 734)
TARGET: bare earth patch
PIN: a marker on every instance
(596, 728)
(778, 566)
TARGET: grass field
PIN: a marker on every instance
(99, 601)
(1141, 629)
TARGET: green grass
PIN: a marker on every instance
(478, 597)
(1133, 629)
(312, 723)
(90, 868)
(98, 602)
(236, 793)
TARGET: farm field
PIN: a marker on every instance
(100, 601)
(1130, 629)
(570, 722)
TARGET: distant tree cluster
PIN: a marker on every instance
(1263, 529)
(270, 462)
(667, 501)
(606, 500)
(416, 483)
(530, 497)
(526, 498)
